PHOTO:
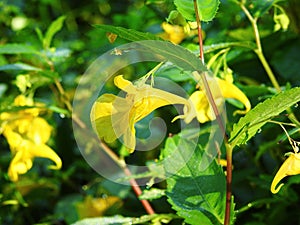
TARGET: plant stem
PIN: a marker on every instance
(121, 163)
(228, 184)
(259, 51)
(264, 62)
(201, 51)
(219, 121)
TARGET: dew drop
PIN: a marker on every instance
(296, 105)
(62, 115)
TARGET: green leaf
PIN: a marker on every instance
(15, 48)
(170, 52)
(19, 66)
(176, 54)
(196, 195)
(128, 34)
(117, 219)
(153, 193)
(259, 116)
(207, 9)
(54, 27)
(214, 47)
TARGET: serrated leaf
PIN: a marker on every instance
(128, 34)
(207, 9)
(15, 48)
(54, 27)
(259, 116)
(196, 195)
(19, 66)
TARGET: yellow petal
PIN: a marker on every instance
(103, 106)
(39, 131)
(291, 166)
(202, 107)
(45, 151)
(20, 164)
(129, 137)
(229, 90)
(124, 84)
(110, 116)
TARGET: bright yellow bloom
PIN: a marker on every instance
(291, 166)
(228, 90)
(113, 116)
(27, 134)
(175, 33)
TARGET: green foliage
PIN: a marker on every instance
(247, 127)
(196, 195)
(45, 49)
(207, 9)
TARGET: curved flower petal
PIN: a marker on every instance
(44, 151)
(20, 164)
(124, 85)
(229, 90)
(291, 166)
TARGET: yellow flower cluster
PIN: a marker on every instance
(27, 135)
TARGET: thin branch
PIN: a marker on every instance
(201, 51)
(121, 163)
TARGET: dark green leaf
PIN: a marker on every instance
(259, 116)
(207, 9)
(52, 30)
(196, 195)
(17, 49)
(128, 34)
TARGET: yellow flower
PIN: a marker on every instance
(113, 116)
(175, 33)
(27, 134)
(291, 166)
(228, 90)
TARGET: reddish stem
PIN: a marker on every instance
(122, 165)
(201, 55)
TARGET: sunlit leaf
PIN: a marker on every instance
(15, 48)
(19, 66)
(52, 30)
(196, 195)
(207, 9)
(128, 34)
(117, 219)
(259, 115)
